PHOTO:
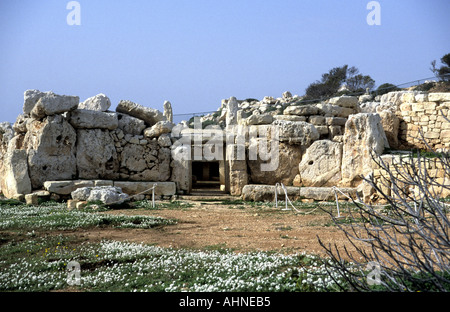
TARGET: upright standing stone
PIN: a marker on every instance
(181, 165)
(390, 123)
(14, 178)
(321, 164)
(238, 168)
(364, 137)
(51, 146)
(168, 111)
(232, 108)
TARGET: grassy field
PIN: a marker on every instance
(38, 253)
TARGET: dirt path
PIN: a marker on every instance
(243, 228)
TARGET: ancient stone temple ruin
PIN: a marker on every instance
(60, 145)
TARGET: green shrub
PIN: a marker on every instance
(386, 88)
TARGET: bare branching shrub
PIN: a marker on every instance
(404, 244)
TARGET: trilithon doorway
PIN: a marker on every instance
(205, 177)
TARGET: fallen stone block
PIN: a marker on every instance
(150, 115)
(50, 104)
(32, 199)
(161, 127)
(72, 204)
(106, 194)
(99, 103)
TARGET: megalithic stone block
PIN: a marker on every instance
(15, 179)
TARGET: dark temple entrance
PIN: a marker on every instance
(205, 176)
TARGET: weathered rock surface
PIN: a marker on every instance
(369, 107)
(330, 110)
(363, 136)
(390, 123)
(439, 97)
(96, 155)
(301, 110)
(149, 162)
(49, 104)
(92, 119)
(327, 193)
(296, 132)
(106, 194)
(259, 119)
(275, 167)
(232, 108)
(321, 164)
(67, 187)
(150, 115)
(14, 178)
(254, 192)
(344, 101)
(30, 98)
(168, 111)
(130, 125)
(164, 140)
(134, 158)
(20, 125)
(133, 188)
(51, 146)
(158, 129)
(100, 103)
(289, 117)
(6, 133)
(181, 166)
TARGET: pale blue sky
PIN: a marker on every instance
(196, 52)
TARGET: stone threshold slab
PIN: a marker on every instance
(128, 187)
(259, 192)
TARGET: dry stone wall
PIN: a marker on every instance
(60, 143)
(57, 138)
(350, 131)
(424, 121)
(394, 176)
